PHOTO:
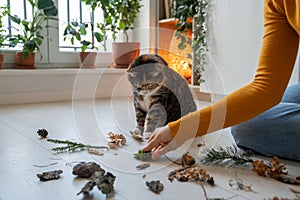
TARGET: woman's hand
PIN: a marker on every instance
(160, 142)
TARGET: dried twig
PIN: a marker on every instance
(239, 185)
(228, 157)
(48, 165)
(72, 146)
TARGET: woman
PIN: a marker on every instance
(270, 132)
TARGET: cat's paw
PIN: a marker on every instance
(148, 134)
(137, 134)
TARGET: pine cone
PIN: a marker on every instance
(42, 133)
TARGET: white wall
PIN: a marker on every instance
(145, 31)
(236, 27)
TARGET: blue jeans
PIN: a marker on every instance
(275, 132)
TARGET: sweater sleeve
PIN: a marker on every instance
(276, 62)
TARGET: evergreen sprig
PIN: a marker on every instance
(227, 157)
(72, 146)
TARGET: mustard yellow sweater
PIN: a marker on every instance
(276, 62)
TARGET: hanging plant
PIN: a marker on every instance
(199, 39)
(184, 11)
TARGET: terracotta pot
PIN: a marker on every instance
(1, 60)
(88, 59)
(22, 63)
(124, 53)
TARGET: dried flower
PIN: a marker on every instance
(42, 133)
(116, 140)
(272, 169)
(191, 173)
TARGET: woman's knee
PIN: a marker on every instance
(292, 94)
(275, 132)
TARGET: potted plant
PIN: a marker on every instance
(30, 36)
(86, 35)
(3, 12)
(78, 31)
(119, 17)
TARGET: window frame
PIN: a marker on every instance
(54, 58)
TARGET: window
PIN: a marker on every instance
(75, 10)
(55, 50)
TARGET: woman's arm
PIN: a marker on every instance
(276, 62)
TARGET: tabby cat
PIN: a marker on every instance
(160, 94)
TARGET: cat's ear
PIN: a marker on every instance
(157, 70)
(132, 74)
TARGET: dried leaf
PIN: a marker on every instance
(239, 185)
(50, 175)
(87, 169)
(155, 186)
(187, 160)
(143, 165)
(294, 191)
(104, 182)
(95, 152)
(191, 173)
(273, 169)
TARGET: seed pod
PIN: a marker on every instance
(42, 133)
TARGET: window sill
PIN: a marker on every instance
(48, 85)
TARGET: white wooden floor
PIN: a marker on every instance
(22, 151)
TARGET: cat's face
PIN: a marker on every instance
(146, 78)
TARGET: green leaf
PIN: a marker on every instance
(15, 19)
(82, 31)
(75, 23)
(72, 31)
(83, 48)
(83, 25)
(121, 25)
(43, 4)
(85, 43)
(51, 11)
(98, 37)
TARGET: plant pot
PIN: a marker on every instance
(24, 63)
(88, 59)
(1, 60)
(124, 53)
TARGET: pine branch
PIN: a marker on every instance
(70, 146)
(228, 157)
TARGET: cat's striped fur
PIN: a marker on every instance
(160, 94)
